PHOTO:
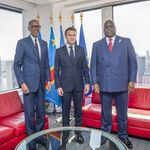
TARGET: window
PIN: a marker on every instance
(132, 20)
(10, 32)
(92, 27)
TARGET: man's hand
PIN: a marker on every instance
(60, 91)
(131, 86)
(24, 88)
(96, 88)
(86, 88)
(48, 86)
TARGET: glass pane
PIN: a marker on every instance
(11, 31)
(132, 21)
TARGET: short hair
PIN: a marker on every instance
(71, 29)
(109, 21)
(31, 22)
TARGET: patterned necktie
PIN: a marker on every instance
(36, 47)
(110, 45)
(71, 51)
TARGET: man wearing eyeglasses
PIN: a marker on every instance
(31, 67)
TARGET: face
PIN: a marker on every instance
(109, 29)
(34, 28)
(71, 37)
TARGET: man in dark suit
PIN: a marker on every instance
(113, 73)
(71, 72)
(31, 67)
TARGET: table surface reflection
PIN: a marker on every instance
(92, 139)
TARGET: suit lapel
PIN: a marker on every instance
(116, 51)
(41, 46)
(32, 46)
(66, 52)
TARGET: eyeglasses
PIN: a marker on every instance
(36, 27)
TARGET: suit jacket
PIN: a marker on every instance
(28, 67)
(71, 73)
(113, 70)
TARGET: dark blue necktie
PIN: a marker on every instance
(71, 52)
(36, 47)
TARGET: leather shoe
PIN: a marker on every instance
(127, 142)
(78, 139)
(103, 140)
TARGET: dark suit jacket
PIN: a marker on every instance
(28, 67)
(112, 71)
(71, 74)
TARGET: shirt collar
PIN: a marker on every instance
(113, 39)
(68, 46)
(33, 39)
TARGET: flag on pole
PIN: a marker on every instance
(39, 35)
(62, 42)
(82, 43)
(82, 39)
(52, 96)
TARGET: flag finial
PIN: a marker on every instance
(51, 19)
(60, 17)
(38, 17)
(81, 17)
(72, 18)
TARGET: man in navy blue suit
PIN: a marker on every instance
(71, 72)
(113, 73)
(31, 67)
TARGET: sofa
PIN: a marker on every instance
(138, 113)
(12, 123)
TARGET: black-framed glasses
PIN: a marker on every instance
(36, 27)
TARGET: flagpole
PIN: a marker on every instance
(39, 33)
(72, 19)
(60, 18)
(38, 17)
(81, 17)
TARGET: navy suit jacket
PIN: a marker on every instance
(70, 74)
(28, 67)
(113, 70)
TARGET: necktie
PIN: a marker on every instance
(36, 47)
(110, 46)
(71, 51)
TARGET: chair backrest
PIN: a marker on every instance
(10, 103)
(140, 98)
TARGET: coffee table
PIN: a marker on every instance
(92, 139)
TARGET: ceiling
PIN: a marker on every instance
(42, 2)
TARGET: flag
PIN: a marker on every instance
(39, 35)
(54, 139)
(62, 42)
(82, 39)
(82, 43)
(52, 96)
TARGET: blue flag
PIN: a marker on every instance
(39, 35)
(62, 42)
(52, 96)
(82, 40)
(83, 44)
